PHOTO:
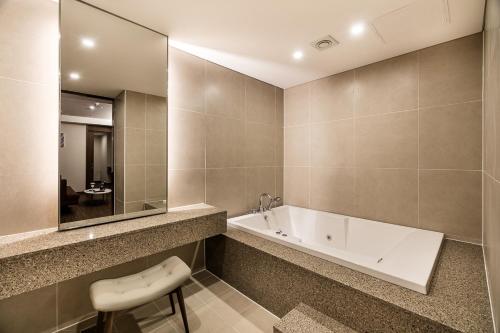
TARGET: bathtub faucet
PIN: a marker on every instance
(271, 202)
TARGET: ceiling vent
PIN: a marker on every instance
(324, 43)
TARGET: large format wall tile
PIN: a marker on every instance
(450, 202)
(333, 97)
(135, 143)
(387, 141)
(451, 72)
(156, 147)
(259, 144)
(156, 182)
(450, 137)
(156, 113)
(332, 189)
(225, 142)
(388, 86)
(297, 147)
(135, 187)
(135, 110)
(260, 101)
(225, 92)
(258, 181)
(388, 195)
(186, 82)
(332, 144)
(297, 105)
(226, 188)
(296, 186)
(186, 140)
(186, 187)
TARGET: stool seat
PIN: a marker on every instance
(133, 290)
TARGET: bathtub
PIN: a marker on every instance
(401, 255)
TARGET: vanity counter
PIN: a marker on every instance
(51, 257)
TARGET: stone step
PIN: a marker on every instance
(305, 319)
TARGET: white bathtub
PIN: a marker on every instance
(401, 255)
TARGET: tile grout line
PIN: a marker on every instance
(418, 140)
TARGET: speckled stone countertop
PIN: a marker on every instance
(45, 259)
(458, 296)
(304, 319)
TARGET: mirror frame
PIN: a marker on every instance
(119, 217)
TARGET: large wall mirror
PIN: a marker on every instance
(113, 122)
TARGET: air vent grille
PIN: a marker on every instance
(324, 43)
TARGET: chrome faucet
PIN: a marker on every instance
(272, 202)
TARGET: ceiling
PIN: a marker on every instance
(125, 56)
(258, 37)
(79, 106)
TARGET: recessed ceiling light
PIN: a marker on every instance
(297, 55)
(357, 29)
(92, 107)
(74, 76)
(88, 43)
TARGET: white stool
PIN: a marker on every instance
(112, 295)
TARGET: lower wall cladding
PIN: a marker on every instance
(67, 303)
(279, 286)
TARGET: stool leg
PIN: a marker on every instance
(180, 298)
(100, 322)
(172, 305)
(108, 327)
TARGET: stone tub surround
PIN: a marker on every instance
(304, 319)
(44, 260)
(279, 278)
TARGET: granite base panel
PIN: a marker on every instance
(30, 271)
(280, 286)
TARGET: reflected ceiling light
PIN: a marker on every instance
(88, 43)
(92, 107)
(357, 29)
(74, 76)
(297, 55)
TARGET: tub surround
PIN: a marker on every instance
(267, 272)
(53, 257)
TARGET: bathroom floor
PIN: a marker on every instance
(212, 306)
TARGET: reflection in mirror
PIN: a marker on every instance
(112, 155)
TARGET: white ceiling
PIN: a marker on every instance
(125, 57)
(257, 37)
(79, 106)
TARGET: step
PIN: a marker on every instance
(305, 319)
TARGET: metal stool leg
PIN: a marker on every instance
(172, 304)
(100, 322)
(180, 298)
(108, 327)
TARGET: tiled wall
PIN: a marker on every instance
(29, 96)
(396, 141)
(491, 161)
(65, 306)
(141, 150)
(225, 136)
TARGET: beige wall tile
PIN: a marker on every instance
(156, 182)
(296, 186)
(258, 181)
(451, 72)
(450, 202)
(156, 147)
(279, 183)
(297, 105)
(225, 142)
(135, 176)
(332, 190)
(226, 189)
(186, 81)
(332, 144)
(30, 41)
(186, 140)
(156, 113)
(279, 146)
(186, 187)
(135, 110)
(387, 141)
(280, 107)
(32, 312)
(333, 97)
(135, 146)
(297, 147)
(450, 137)
(259, 144)
(491, 100)
(134, 206)
(388, 86)
(388, 195)
(225, 92)
(260, 101)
